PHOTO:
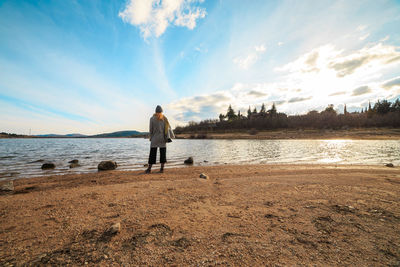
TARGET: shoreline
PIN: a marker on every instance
(48, 173)
(242, 215)
(305, 134)
(301, 134)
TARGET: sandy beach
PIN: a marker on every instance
(274, 215)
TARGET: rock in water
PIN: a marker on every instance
(107, 165)
(114, 229)
(48, 165)
(74, 165)
(204, 176)
(7, 186)
(390, 165)
(189, 160)
(74, 161)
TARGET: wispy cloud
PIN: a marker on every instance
(154, 16)
(245, 62)
(338, 93)
(361, 90)
(391, 83)
(299, 99)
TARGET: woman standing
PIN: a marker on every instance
(160, 134)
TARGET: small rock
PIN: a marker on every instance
(115, 228)
(74, 161)
(204, 176)
(48, 165)
(74, 165)
(205, 161)
(189, 160)
(107, 165)
(146, 165)
(390, 165)
(7, 186)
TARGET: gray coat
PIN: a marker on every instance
(156, 131)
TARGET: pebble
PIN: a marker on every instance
(7, 186)
(115, 228)
(204, 176)
(390, 165)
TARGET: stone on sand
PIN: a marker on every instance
(114, 229)
(7, 186)
(189, 160)
(204, 176)
(107, 165)
(48, 165)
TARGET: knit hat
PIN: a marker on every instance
(159, 109)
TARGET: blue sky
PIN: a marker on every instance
(102, 66)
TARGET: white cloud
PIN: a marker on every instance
(361, 90)
(361, 28)
(154, 16)
(392, 83)
(247, 61)
(365, 36)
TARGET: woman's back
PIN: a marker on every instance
(157, 132)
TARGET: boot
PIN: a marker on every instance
(148, 169)
(162, 168)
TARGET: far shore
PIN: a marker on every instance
(313, 134)
(242, 215)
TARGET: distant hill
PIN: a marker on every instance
(62, 135)
(103, 135)
(119, 134)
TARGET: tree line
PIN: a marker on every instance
(381, 114)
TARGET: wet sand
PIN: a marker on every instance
(274, 215)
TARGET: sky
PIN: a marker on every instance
(102, 66)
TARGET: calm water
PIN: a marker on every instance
(18, 157)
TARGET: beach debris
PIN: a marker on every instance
(189, 160)
(343, 209)
(74, 165)
(204, 176)
(390, 165)
(48, 165)
(74, 161)
(7, 186)
(107, 165)
(114, 229)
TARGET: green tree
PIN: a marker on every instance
(330, 109)
(345, 110)
(396, 105)
(231, 115)
(262, 110)
(255, 110)
(221, 117)
(248, 113)
(382, 107)
(273, 110)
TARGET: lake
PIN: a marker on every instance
(19, 157)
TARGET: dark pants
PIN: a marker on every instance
(153, 155)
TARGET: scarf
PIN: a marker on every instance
(160, 117)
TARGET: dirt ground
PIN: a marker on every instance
(273, 215)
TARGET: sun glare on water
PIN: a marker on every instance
(333, 150)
